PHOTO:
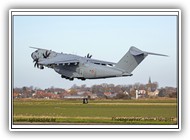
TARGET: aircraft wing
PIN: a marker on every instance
(49, 62)
(95, 61)
(65, 59)
(60, 59)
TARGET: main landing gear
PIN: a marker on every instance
(71, 79)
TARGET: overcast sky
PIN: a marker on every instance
(105, 37)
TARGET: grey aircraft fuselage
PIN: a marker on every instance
(71, 66)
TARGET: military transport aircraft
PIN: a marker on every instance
(71, 66)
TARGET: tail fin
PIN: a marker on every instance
(132, 59)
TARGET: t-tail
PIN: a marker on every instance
(132, 59)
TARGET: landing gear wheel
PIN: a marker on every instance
(83, 79)
(71, 79)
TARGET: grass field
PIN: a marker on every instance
(149, 111)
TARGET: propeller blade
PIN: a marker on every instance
(36, 62)
(46, 55)
(88, 55)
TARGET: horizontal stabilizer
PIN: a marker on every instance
(135, 52)
(157, 54)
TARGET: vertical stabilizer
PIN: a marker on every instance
(131, 60)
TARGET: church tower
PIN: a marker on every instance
(149, 81)
(149, 85)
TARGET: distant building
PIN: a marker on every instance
(149, 85)
(153, 94)
(126, 93)
(110, 95)
(74, 97)
(152, 90)
(140, 94)
(107, 94)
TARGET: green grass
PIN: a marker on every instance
(97, 111)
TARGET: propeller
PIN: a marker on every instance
(46, 55)
(36, 62)
(88, 55)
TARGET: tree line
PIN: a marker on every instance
(101, 90)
